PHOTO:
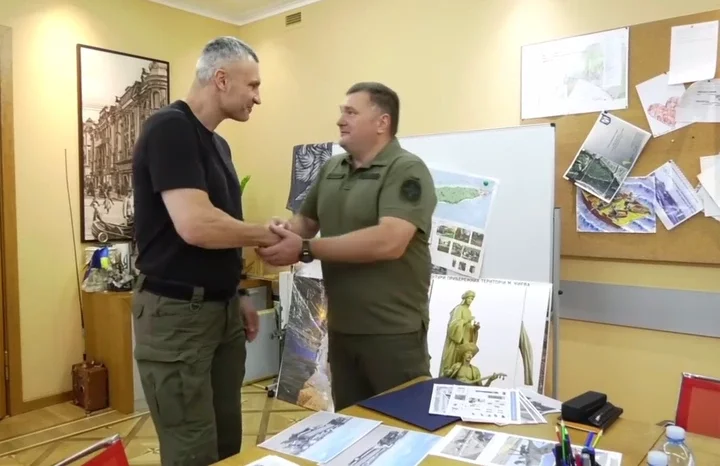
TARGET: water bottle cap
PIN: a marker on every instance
(657, 458)
(675, 433)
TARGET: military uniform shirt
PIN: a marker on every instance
(383, 297)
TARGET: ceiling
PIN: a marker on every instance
(236, 11)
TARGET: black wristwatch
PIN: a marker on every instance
(305, 254)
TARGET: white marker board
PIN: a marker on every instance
(519, 237)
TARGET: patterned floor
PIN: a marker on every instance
(262, 418)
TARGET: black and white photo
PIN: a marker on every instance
(607, 156)
(117, 92)
(463, 444)
(307, 161)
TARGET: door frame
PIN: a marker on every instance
(10, 302)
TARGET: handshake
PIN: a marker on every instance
(284, 246)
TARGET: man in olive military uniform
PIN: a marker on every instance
(373, 208)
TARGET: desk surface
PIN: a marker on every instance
(706, 450)
(631, 438)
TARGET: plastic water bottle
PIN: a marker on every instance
(677, 451)
(657, 458)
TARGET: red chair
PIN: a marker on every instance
(698, 408)
(113, 454)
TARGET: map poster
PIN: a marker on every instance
(581, 74)
(460, 220)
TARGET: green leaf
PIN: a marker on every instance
(244, 182)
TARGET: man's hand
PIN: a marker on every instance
(250, 317)
(280, 222)
(286, 252)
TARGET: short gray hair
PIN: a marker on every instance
(220, 51)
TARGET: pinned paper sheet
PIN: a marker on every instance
(700, 103)
(693, 52)
(659, 101)
(710, 180)
(675, 199)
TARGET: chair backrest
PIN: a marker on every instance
(112, 454)
(698, 408)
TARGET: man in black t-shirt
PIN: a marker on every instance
(190, 322)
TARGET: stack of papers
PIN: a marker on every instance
(487, 448)
(339, 440)
(709, 188)
(491, 405)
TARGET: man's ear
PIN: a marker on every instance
(384, 124)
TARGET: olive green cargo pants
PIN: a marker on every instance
(191, 360)
(362, 366)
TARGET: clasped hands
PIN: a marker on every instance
(287, 249)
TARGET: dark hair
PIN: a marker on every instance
(383, 97)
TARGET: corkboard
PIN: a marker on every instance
(697, 240)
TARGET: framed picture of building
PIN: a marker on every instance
(117, 92)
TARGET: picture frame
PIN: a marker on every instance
(117, 92)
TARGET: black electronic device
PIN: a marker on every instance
(605, 416)
(591, 408)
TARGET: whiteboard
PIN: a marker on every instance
(519, 236)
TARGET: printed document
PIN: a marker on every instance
(486, 448)
(700, 103)
(476, 404)
(581, 74)
(676, 199)
(693, 52)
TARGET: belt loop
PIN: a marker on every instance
(139, 282)
(197, 294)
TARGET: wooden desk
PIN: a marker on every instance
(705, 449)
(631, 438)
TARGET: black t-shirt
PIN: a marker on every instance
(174, 150)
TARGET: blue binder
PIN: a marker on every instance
(411, 405)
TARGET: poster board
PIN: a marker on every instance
(519, 237)
(696, 241)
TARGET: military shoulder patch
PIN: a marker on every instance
(411, 190)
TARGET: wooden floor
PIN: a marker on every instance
(21, 444)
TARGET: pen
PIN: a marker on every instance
(597, 438)
(589, 439)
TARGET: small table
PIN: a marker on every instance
(631, 438)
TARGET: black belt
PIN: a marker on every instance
(184, 292)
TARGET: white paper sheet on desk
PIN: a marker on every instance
(700, 103)
(272, 460)
(693, 52)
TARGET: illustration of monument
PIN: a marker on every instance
(461, 346)
(463, 371)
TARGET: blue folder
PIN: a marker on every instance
(411, 405)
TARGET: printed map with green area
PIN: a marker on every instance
(463, 199)
(457, 194)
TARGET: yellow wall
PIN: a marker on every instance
(460, 71)
(45, 91)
